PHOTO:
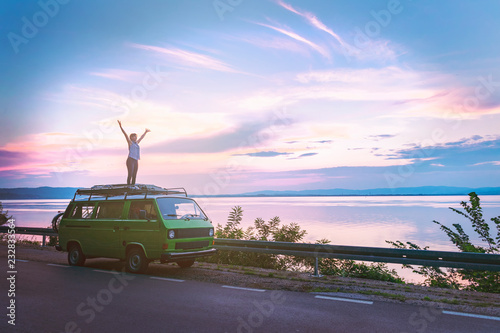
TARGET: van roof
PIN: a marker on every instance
(124, 191)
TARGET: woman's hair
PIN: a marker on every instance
(133, 134)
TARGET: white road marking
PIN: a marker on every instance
(470, 315)
(241, 288)
(21, 260)
(166, 279)
(102, 271)
(57, 265)
(344, 299)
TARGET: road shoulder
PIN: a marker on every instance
(251, 277)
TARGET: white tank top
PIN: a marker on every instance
(134, 151)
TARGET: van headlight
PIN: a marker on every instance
(211, 232)
(171, 234)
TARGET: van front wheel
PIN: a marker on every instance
(185, 263)
(75, 256)
(136, 261)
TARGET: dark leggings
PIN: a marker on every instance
(132, 166)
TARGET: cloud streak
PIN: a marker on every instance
(10, 158)
(119, 74)
(381, 137)
(475, 150)
(187, 58)
(370, 48)
(263, 154)
(391, 84)
(321, 50)
(238, 137)
(314, 21)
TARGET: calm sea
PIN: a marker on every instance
(361, 221)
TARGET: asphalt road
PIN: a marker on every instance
(59, 298)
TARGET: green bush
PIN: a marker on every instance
(53, 241)
(351, 268)
(463, 278)
(4, 216)
(271, 230)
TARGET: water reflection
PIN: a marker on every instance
(361, 221)
(356, 221)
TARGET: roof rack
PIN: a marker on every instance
(114, 190)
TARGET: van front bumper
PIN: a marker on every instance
(177, 256)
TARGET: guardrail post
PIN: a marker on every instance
(316, 270)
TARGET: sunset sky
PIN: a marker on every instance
(245, 95)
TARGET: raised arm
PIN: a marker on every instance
(142, 136)
(125, 133)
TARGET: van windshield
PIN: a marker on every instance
(179, 209)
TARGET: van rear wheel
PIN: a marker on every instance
(185, 263)
(136, 261)
(75, 255)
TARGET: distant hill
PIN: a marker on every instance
(423, 190)
(37, 193)
(68, 192)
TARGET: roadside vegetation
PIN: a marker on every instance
(4, 216)
(356, 269)
(463, 278)
(272, 230)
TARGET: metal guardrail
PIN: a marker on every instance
(465, 260)
(31, 231)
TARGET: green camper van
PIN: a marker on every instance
(136, 223)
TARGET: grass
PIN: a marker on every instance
(450, 301)
(485, 305)
(401, 298)
(325, 290)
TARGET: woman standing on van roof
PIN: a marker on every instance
(134, 153)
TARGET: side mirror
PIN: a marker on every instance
(142, 215)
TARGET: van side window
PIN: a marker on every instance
(109, 210)
(145, 205)
(82, 211)
(69, 211)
